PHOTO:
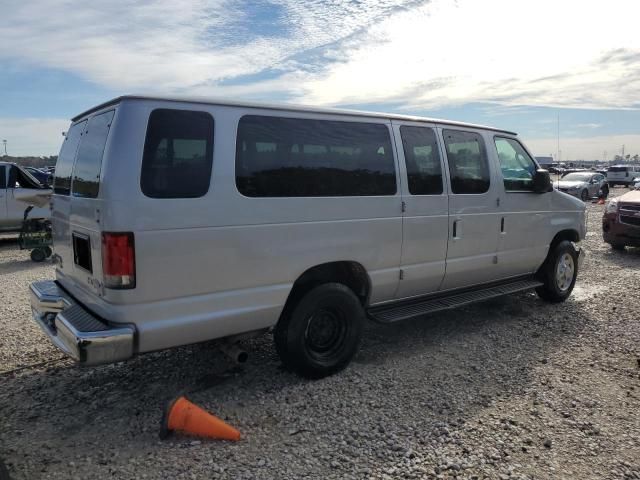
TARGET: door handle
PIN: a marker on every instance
(455, 229)
(502, 225)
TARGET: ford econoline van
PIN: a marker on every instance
(181, 220)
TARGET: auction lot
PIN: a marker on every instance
(511, 388)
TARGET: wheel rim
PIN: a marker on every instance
(565, 269)
(325, 334)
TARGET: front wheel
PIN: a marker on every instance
(584, 195)
(558, 273)
(320, 335)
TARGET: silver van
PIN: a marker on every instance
(181, 220)
(623, 175)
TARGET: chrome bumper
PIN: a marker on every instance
(77, 332)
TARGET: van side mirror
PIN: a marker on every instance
(542, 181)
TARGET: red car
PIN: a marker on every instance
(621, 221)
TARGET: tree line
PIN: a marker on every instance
(37, 162)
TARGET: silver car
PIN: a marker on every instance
(584, 185)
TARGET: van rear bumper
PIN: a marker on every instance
(75, 330)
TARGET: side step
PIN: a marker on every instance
(404, 310)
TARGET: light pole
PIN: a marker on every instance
(5, 147)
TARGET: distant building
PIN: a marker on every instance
(544, 160)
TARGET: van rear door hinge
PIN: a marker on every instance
(401, 274)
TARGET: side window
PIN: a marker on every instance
(422, 158)
(19, 178)
(64, 164)
(517, 167)
(3, 181)
(295, 157)
(468, 164)
(178, 154)
(86, 172)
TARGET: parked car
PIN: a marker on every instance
(177, 221)
(622, 175)
(43, 177)
(17, 183)
(621, 221)
(584, 185)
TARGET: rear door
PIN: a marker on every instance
(426, 209)
(76, 207)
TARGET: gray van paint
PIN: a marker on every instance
(224, 264)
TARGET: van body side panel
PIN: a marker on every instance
(224, 263)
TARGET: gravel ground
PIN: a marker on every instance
(511, 388)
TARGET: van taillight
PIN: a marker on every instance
(118, 260)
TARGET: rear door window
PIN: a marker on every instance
(468, 163)
(64, 164)
(3, 182)
(178, 154)
(86, 172)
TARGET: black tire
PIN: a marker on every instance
(4, 473)
(617, 246)
(47, 251)
(320, 334)
(584, 195)
(605, 192)
(551, 291)
(38, 255)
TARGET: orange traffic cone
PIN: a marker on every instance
(187, 417)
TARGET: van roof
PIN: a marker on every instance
(284, 106)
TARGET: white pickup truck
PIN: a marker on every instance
(16, 184)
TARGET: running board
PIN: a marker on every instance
(406, 309)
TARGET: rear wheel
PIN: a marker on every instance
(558, 273)
(47, 251)
(320, 334)
(38, 255)
(605, 191)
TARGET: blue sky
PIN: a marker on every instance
(512, 64)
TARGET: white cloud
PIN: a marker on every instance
(418, 54)
(32, 136)
(586, 148)
(570, 53)
(169, 45)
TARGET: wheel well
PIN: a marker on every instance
(351, 274)
(570, 235)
